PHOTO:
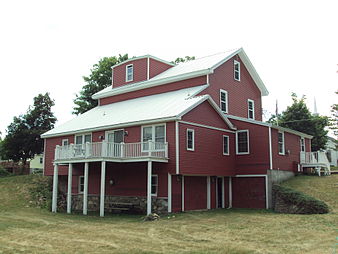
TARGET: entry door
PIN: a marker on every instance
(114, 139)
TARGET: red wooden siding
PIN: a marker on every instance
(155, 90)
(157, 67)
(176, 186)
(248, 192)
(195, 193)
(258, 160)
(139, 68)
(238, 91)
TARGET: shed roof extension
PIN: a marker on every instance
(195, 68)
(144, 110)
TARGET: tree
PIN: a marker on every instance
(23, 139)
(182, 60)
(298, 117)
(99, 78)
(334, 118)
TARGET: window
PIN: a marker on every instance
(225, 145)
(190, 140)
(281, 148)
(129, 73)
(237, 70)
(223, 96)
(154, 185)
(302, 145)
(155, 134)
(242, 142)
(82, 139)
(81, 184)
(41, 160)
(65, 142)
(251, 109)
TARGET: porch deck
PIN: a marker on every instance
(109, 151)
(317, 160)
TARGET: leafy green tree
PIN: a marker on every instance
(298, 117)
(99, 78)
(334, 118)
(182, 60)
(23, 139)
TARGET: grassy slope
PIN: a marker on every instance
(25, 229)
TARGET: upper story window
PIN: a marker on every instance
(190, 140)
(281, 145)
(302, 145)
(242, 142)
(154, 185)
(223, 96)
(251, 109)
(129, 73)
(154, 136)
(225, 145)
(82, 139)
(237, 70)
(65, 142)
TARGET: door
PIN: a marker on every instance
(114, 139)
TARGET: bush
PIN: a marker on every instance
(4, 172)
(287, 200)
(41, 191)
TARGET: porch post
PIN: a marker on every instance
(149, 187)
(208, 193)
(69, 193)
(230, 192)
(102, 193)
(55, 188)
(223, 203)
(183, 208)
(85, 189)
(169, 193)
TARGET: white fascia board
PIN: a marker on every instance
(226, 59)
(298, 133)
(150, 83)
(214, 105)
(108, 127)
(249, 120)
(140, 57)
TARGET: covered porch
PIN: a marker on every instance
(317, 160)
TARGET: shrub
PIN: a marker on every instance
(287, 200)
(4, 172)
(41, 191)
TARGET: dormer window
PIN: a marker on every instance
(237, 70)
(129, 73)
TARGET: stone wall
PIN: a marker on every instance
(120, 203)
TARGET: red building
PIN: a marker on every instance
(171, 138)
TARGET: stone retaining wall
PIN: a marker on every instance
(113, 203)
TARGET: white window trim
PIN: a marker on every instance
(83, 137)
(226, 100)
(228, 153)
(193, 140)
(153, 133)
(79, 185)
(64, 140)
(239, 70)
(283, 142)
(241, 153)
(112, 131)
(253, 109)
(302, 144)
(152, 184)
(129, 80)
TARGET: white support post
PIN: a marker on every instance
(183, 208)
(216, 192)
(69, 193)
(85, 189)
(223, 199)
(230, 192)
(149, 187)
(55, 188)
(122, 145)
(266, 192)
(169, 194)
(103, 186)
(208, 193)
(104, 152)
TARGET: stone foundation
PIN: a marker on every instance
(115, 204)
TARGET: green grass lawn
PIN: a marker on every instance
(26, 229)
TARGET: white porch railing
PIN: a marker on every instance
(315, 159)
(110, 150)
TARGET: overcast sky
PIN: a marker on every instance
(47, 46)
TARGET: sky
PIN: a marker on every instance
(48, 46)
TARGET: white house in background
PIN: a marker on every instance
(36, 164)
(332, 151)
